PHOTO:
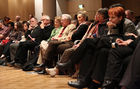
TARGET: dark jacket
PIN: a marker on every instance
(46, 32)
(35, 33)
(79, 32)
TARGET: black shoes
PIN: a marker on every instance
(77, 84)
(1, 62)
(11, 64)
(42, 72)
(39, 68)
(66, 65)
(93, 85)
(41, 65)
(81, 84)
(108, 84)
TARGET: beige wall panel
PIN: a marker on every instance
(3, 8)
(63, 6)
(49, 8)
(90, 6)
(21, 7)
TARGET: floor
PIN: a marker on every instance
(12, 78)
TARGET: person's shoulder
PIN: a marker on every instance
(127, 21)
(37, 27)
(71, 25)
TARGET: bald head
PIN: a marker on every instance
(17, 18)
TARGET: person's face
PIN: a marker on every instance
(65, 22)
(99, 17)
(114, 19)
(25, 27)
(33, 22)
(10, 26)
(57, 23)
(46, 21)
(127, 14)
(30, 16)
(80, 18)
(15, 26)
(0, 25)
(17, 18)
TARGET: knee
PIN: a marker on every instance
(12, 46)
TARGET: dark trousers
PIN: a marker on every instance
(88, 53)
(131, 78)
(99, 67)
(116, 58)
(86, 48)
(13, 49)
(89, 44)
(6, 50)
(21, 53)
(93, 67)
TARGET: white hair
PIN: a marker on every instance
(46, 17)
(66, 16)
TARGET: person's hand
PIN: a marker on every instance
(7, 38)
(110, 25)
(118, 40)
(131, 34)
(30, 27)
(125, 43)
(42, 25)
(33, 39)
(1, 36)
(75, 46)
(53, 38)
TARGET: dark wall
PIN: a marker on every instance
(129, 4)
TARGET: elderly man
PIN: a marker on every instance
(34, 38)
(17, 18)
(43, 34)
(63, 38)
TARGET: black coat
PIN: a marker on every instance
(131, 78)
(36, 33)
(80, 32)
(46, 32)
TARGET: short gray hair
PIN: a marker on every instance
(46, 17)
(66, 16)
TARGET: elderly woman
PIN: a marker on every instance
(54, 34)
(118, 26)
(97, 29)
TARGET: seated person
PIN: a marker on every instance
(63, 38)
(44, 43)
(131, 78)
(90, 47)
(96, 29)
